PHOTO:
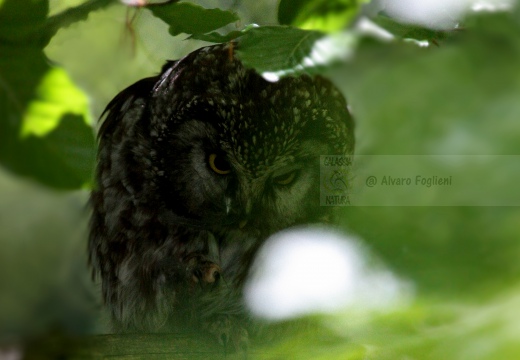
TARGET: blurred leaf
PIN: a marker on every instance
(64, 158)
(62, 153)
(426, 330)
(276, 51)
(55, 96)
(26, 20)
(409, 31)
(460, 98)
(21, 19)
(73, 15)
(323, 15)
(192, 19)
(39, 97)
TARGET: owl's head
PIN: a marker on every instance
(229, 149)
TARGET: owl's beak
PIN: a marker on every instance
(228, 205)
(231, 211)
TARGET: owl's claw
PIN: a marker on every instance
(203, 271)
(208, 273)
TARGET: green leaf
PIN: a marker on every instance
(56, 96)
(276, 51)
(323, 15)
(409, 31)
(215, 37)
(458, 99)
(44, 133)
(21, 19)
(64, 158)
(447, 329)
(73, 15)
(43, 130)
(192, 19)
(26, 20)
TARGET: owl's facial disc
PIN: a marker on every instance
(285, 176)
(277, 198)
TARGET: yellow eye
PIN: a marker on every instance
(285, 179)
(218, 164)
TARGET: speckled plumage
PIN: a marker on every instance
(171, 239)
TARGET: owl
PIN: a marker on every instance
(197, 166)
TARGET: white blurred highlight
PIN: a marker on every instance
(316, 270)
(493, 5)
(367, 27)
(438, 14)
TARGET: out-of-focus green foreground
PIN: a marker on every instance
(459, 98)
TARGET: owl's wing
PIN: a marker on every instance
(132, 98)
(127, 99)
(120, 117)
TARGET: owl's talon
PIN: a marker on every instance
(212, 274)
(203, 272)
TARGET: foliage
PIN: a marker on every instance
(459, 96)
(45, 132)
(185, 18)
(317, 14)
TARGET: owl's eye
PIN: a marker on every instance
(285, 179)
(218, 164)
